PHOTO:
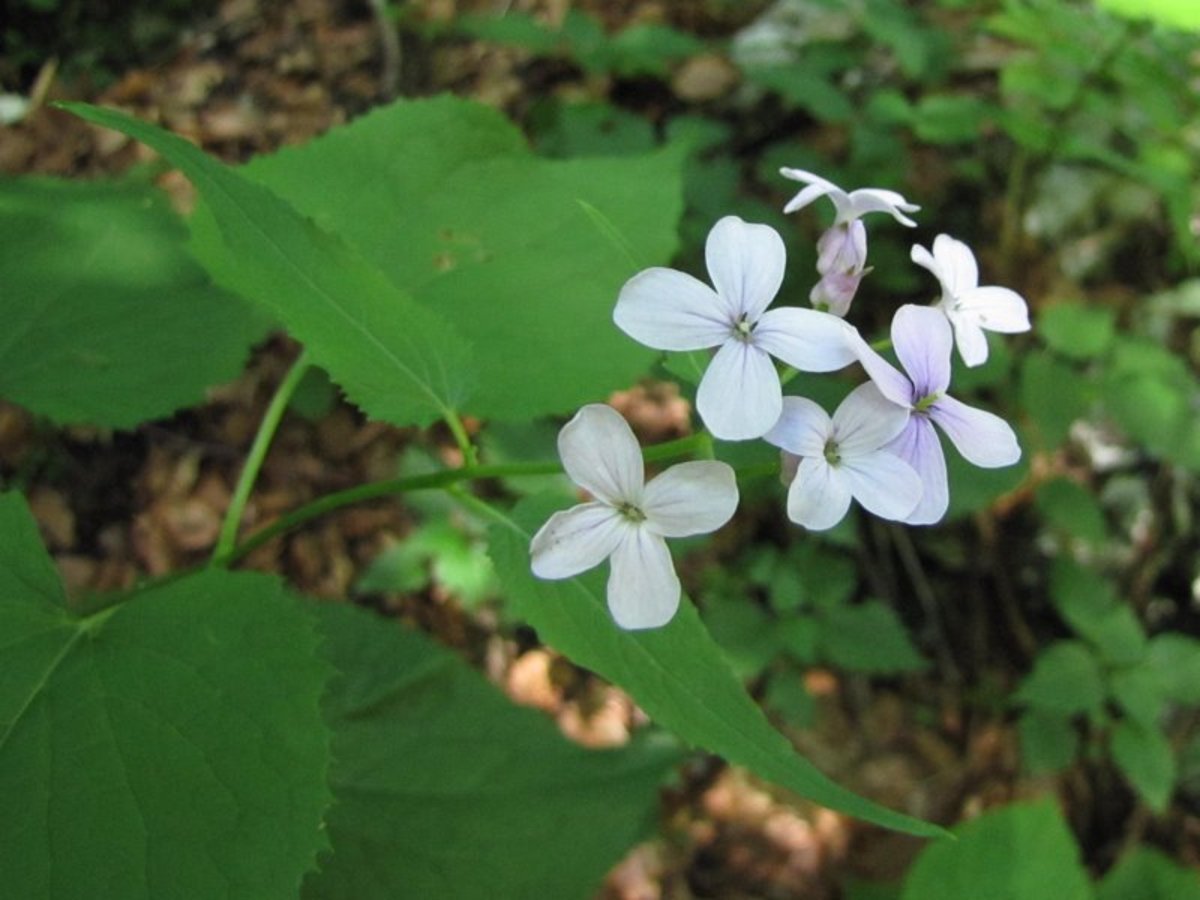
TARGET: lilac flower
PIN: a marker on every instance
(629, 519)
(844, 457)
(739, 396)
(842, 249)
(970, 308)
(923, 343)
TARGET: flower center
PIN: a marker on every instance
(927, 401)
(833, 455)
(631, 513)
(742, 329)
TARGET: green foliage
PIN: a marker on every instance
(171, 746)
(677, 674)
(1145, 756)
(1066, 679)
(438, 552)
(1077, 331)
(107, 319)
(1147, 874)
(442, 788)
(1174, 13)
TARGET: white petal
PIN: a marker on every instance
(919, 446)
(866, 420)
(803, 428)
(739, 396)
(601, 455)
(984, 439)
(868, 200)
(892, 383)
(670, 310)
(819, 497)
(643, 589)
(817, 187)
(925, 260)
(923, 342)
(690, 498)
(957, 263)
(576, 539)
(883, 483)
(996, 309)
(745, 263)
(969, 338)
(811, 341)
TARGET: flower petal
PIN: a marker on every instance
(739, 396)
(670, 310)
(869, 200)
(807, 339)
(996, 309)
(957, 263)
(984, 439)
(690, 498)
(866, 420)
(925, 260)
(643, 589)
(601, 455)
(817, 187)
(819, 497)
(892, 383)
(919, 446)
(923, 341)
(968, 337)
(803, 428)
(883, 483)
(745, 263)
(576, 539)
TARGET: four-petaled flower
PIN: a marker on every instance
(629, 518)
(844, 457)
(848, 206)
(923, 343)
(740, 396)
(970, 308)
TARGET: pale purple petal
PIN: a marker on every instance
(670, 310)
(690, 498)
(995, 309)
(819, 497)
(739, 396)
(809, 340)
(745, 263)
(866, 420)
(969, 338)
(883, 483)
(643, 589)
(923, 342)
(576, 539)
(869, 200)
(817, 187)
(919, 446)
(601, 455)
(842, 248)
(960, 273)
(803, 428)
(834, 292)
(982, 438)
(891, 382)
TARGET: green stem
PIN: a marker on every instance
(227, 538)
(462, 439)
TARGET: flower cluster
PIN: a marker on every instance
(880, 446)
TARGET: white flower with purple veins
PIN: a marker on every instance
(970, 308)
(628, 520)
(923, 343)
(740, 396)
(844, 457)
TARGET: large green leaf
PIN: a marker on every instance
(445, 789)
(169, 747)
(677, 674)
(107, 319)
(1148, 874)
(1019, 852)
(525, 255)
(394, 358)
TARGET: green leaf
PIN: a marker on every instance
(524, 255)
(1071, 508)
(1089, 603)
(1175, 658)
(1049, 743)
(1145, 756)
(395, 360)
(677, 674)
(1019, 852)
(443, 788)
(1183, 14)
(1076, 330)
(107, 319)
(949, 118)
(1054, 394)
(1148, 874)
(1066, 679)
(1140, 693)
(867, 638)
(171, 746)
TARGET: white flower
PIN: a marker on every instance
(843, 458)
(970, 308)
(629, 519)
(849, 206)
(739, 396)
